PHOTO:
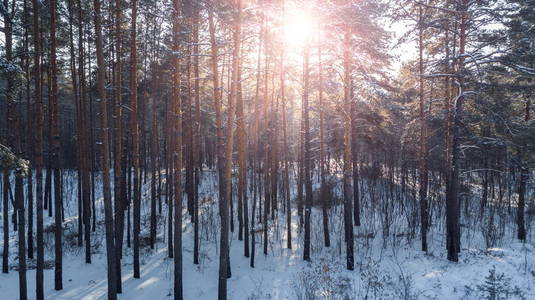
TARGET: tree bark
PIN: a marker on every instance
(287, 198)
(224, 264)
(217, 100)
(243, 208)
(134, 131)
(348, 222)
(39, 292)
(198, 154)
(108, 213)
(55, 134)
(119, 201)
(323, 173)
(177, 157)
(452, 201)
(307, 156)
(423, 137)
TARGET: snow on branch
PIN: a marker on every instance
(9, 161)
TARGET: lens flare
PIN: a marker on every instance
(298, 28)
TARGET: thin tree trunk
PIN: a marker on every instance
(307, 155)
(242, 164)
(452, 201)
(39, 292)
(188, 115)
(134, 131)
(177, 157)
(256, 159)
(108, 213)
(153, 158)
(266, 145)
(5, 217)
(198, 154)
(323, 174)
(118, 145)
(55, 134)
(348, 223)
(29, 128)
(285, 150)
(217, 100)
(224, 264)
(423, 137)
(524, 177)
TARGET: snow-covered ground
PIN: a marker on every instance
(394, 269)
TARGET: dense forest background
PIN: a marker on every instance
(311, 120)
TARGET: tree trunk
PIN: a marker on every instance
(323, 174)
(217, 100)
(423, 137)
(153, 157)
(348, 223)
(285, 150)
(224, 263)
(119, 201)
(452, 201)
(134, 131)
(108, 213)
(242, 165)
(5, 217)
(198, 154)
(8, 137)
(39, 277)
(55, 134)
(307, 155)
(524, 177)
(177, 157)
(29, 127)
(256, 143)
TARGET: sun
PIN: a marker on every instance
(298, 29)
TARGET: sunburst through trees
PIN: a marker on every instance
(232, 142)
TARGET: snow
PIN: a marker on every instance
(395, 269)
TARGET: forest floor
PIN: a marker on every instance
(386, 268)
